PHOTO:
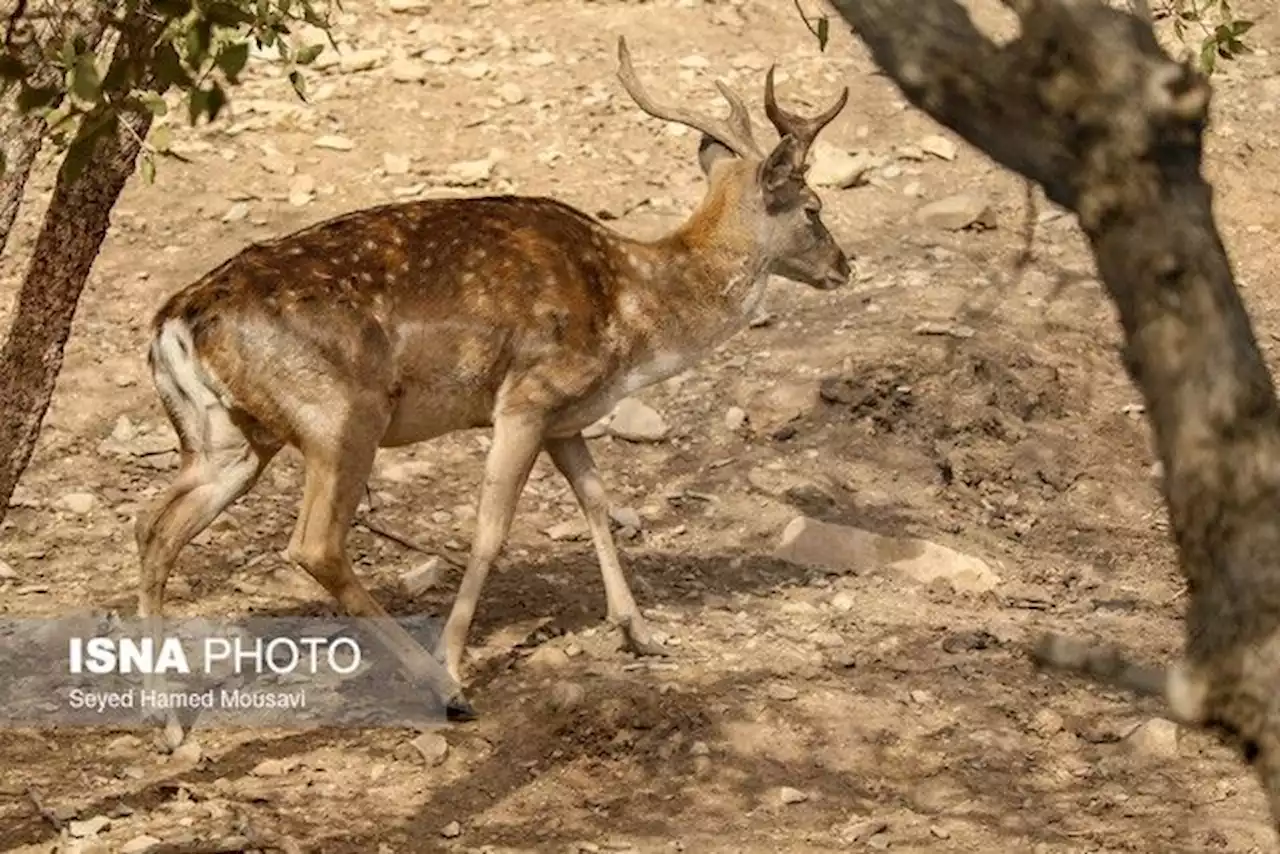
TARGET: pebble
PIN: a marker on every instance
(636, 421)
(271, 768)
(626, 517)
(1157, 738)
(1047, 723)
(547, 658)
(432, 747)
(408, 71)
(88, 827)
(567, 695)
(361, 60)
(783, 692)
(957, 212)
(332, 142)
(452, 830)
(79, 503)
(570, 530)
(938, 146)
(302, 190)
(7, 572)
(735, 418)
(468, 173)
(237, 212)
(396, 164)
(139, 844)
(835, 167)
(788, 795)
(511, 94)
(424, 576)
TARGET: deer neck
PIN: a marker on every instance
(712, 265)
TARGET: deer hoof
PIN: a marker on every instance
(460, 710)
(638, 640)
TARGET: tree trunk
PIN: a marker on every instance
(74, 227)
(1085, 103)
(22, 133)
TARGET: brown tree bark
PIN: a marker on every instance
(74, 227)
(1085, 103)
(22, 133)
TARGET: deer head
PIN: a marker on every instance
(772, 202)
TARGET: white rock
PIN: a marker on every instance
(139, 844)
(334, 143)
(237, 212)
(301, 190)
(433, 747)
(938, 146)
(408, 71)
(396, 164)
(452, 830)
(957, 212)
(468, 173)
(79, 503)
(833, 167)
(636, 421)
(541, 59)
(511, 93)
(1157, 738)
(735, 418)
(6, 572)
(788, 795)
(811, 542)
(361, 60)
(569, 530)
(424, 576)
(437, 55)
(88, 827)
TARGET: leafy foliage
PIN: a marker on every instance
(202, 49)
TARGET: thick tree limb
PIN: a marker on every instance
(1085, 103)
(74, 227)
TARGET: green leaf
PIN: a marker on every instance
(299, 83)
(148, 166)
(1239, 28)
(824, 32)
(1208, 55)
(217, 100)
(307, 53)
(85, 82)
(155, 104)
(232, 59)
(161, 137)
(197, 104)
(81, 147)
(168, 68)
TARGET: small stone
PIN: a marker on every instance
(570, 530)
(938, 146)
(424, 576)
(188, 753)
(844, 602)
(957, 212)
(79, 503)
(939, 831)
(788, 795)
(469, 173)
(566, 696)
(6, 572)
(541, 59)
(408, 71)
(396, 164)
(437, 55)
(432, 747)
(735, 418)
(361, 60)
(547, 658)
(636, 421)
(1157, 738)
(124, 431)
(271, 768)
(333, 142)
(1047, 723)
(783, 692)
(452, 830)
(406, 6)
(511, 93)
(834, 167)
(694, 61)
(626, 517)
(139, 844)
(237, 212)
(301, 190)
(954, 330)
(276, 163)
(921, 697)
(88, 827)
(782, 404)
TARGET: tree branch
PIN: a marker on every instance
(1085, 103)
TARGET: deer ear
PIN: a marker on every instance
(711, 152)
(780, 176)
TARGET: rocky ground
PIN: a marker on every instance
(829, 690)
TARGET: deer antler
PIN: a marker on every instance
(804, 130)
(734, 133)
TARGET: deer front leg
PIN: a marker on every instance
(572, 458)
(516, 441)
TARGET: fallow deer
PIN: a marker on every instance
(392, 325)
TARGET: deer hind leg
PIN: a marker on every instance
(221, 461)
(516, 442)
(572, 458)
(335, 474)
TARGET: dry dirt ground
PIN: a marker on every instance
(803, 709)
